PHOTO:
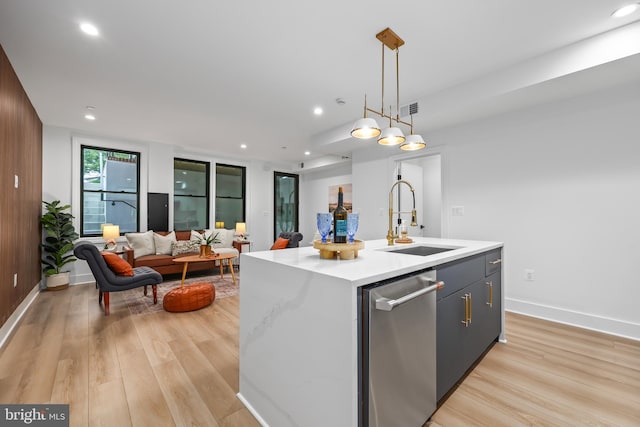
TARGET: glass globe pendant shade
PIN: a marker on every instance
(391, 136)
(365, 128)
(413, 142)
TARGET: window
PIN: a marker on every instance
(109, 190)
(230, 195)
(190, 195)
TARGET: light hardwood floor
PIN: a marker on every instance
(167, 369)
(549, 374)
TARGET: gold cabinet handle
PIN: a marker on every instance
(490, 303)
(498, 261)
(470, 307)
(467, 310)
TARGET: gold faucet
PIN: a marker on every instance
(390, 234)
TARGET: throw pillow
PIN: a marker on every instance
(224, 237)
(184, 247)
(142, 243)
(195, 236)
(119, 266)
(163, 243)
(280, 243)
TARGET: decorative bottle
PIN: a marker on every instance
(340, 220)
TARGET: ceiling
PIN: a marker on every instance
(209, 76)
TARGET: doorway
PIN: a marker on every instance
(425, 174)
(285, 202)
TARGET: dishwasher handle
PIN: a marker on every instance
(386, 304)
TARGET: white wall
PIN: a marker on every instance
(432, 204)
(559, 184)
(61, 168)
(372, 179)
(260, 205)
(314, 196)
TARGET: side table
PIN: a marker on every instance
(239, 244)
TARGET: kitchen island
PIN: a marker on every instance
(300, 320)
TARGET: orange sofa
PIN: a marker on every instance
(163, 262)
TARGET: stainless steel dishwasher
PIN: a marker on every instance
(398, 348)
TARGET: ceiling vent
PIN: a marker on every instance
(408, 109)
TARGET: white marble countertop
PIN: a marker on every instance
(374, 262)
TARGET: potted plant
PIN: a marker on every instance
(57, 244)
(206, 242)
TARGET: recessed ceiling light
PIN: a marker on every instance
(89, 28)
(243, 146)
(317, 111)
(625, 10)
(89, 117)
(307, 153)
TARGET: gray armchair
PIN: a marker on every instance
(294, 238)
(107, 281)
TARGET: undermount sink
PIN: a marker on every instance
(420, 250)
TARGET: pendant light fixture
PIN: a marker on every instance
(367, 127)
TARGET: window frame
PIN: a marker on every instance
(207, 190)
(244, 193)
(82, 187)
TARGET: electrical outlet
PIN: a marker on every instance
(529, 274)
(15, 280)
(457, 210)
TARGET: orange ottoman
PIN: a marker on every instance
(189, 298)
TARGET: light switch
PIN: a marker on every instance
(457, 210)
(529, 274)
(15, 181)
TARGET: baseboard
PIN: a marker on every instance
(575, 318)
(82, 279)
(12, 321)
(255, 414)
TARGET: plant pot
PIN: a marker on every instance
(205, 251)
(57, 282)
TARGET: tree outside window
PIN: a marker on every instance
(110, 190)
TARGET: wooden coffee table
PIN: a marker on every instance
(217, 257)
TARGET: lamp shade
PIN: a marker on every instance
(413, 142)
(110, 231)
(365, 128)
(241, 227)
(391, 136)
(219, 224)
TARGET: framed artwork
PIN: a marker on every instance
(346, 197)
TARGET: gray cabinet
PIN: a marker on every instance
(468, 315)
